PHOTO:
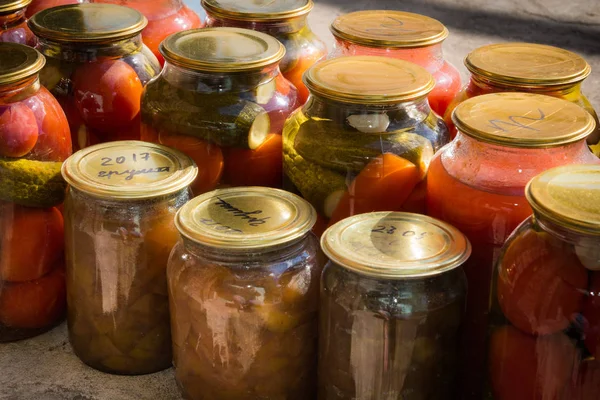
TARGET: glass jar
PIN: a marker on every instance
(364, 139)
(392, 301)
(222, 100)
(243, 290)
(398, 34)
(545, 323)
(477, 183)
(34, 141)
(96, 67)
(284, 20)
(164, 18)
(526, 67)
(119, 231)
(13, 25)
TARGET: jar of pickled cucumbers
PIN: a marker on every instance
(477, 184)
(34, 141)
(398, 34)
(284, 20)
(243, 291)
(364, 139)
(392, 302)
(13, 25)
(222, 100)
(545, 323)
(119, 231)
(526, 67)
(96, 67)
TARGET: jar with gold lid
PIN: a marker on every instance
(399, 34)
(285, 20)
(545, 321)
(222, 100)
(97, 67)
(119, 231)
(526, 67)
(392, 302)
(34, 140)
(13, 24)
(364, 139)
(243, 290)
(477, 184)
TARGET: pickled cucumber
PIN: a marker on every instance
(31, 183)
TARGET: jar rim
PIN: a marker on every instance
(297, 8)
(12, 6)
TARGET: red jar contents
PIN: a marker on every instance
(38, 5)
(13, 24)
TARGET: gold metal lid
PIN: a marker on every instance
(388, 29)
(129, 170)
(568, 196)
(10, 6)
(87, 23)
(245, 218)
(368, 80)
(222, 49)
(522, 120)
(527, 65)
(18, 62)
(257, 10)
(395, 245)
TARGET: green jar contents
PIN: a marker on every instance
(119, 231)
(392, 303)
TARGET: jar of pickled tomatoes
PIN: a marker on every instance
(13, 25)
(364, 140)
(119, 231)
(222, 100)
(97, 67)
(526, 67)
(284, 20)
(243, 291)
(34, 141)
(545, 321)
(477, 184)
(398, 34)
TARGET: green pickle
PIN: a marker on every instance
(31, 183)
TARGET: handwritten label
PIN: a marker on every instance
(391, 230)
(389, 27)
(129, 173)
(513, 122)
(245, 215)
(219, 226)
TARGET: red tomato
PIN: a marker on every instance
(81, 135)
(591, 313)
(262, 166)
(18, 130)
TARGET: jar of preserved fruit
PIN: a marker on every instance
(119, 231)
(222, 100)
(398, 34)
(285, 20)
(34, 141)
(364, 139)
(96, 67)
(13, 25)
(243, 290)
(526, 67)
(392, 301)
(545, 324)
(164, 18)
(477, 184)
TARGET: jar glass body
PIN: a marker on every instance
(13, 28)
(446, 76)
(302, 47)
(116, 256)
(383, 338)
(480, 189)
(545, 320)
(34, 141)
(244, 323)
(99, 86)
(349, 159)
(211, 117)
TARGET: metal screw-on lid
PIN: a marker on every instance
(395, 245)
(245, 218)
(388, 29)
(368, 80)
(10, 6)
(18, 62)
(569, 196)
(522, 120)
(257, 10)
(129, 170)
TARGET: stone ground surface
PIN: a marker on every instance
(44, 368)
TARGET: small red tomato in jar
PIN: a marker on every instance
(18, 130)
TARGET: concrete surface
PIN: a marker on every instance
(44, 368)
